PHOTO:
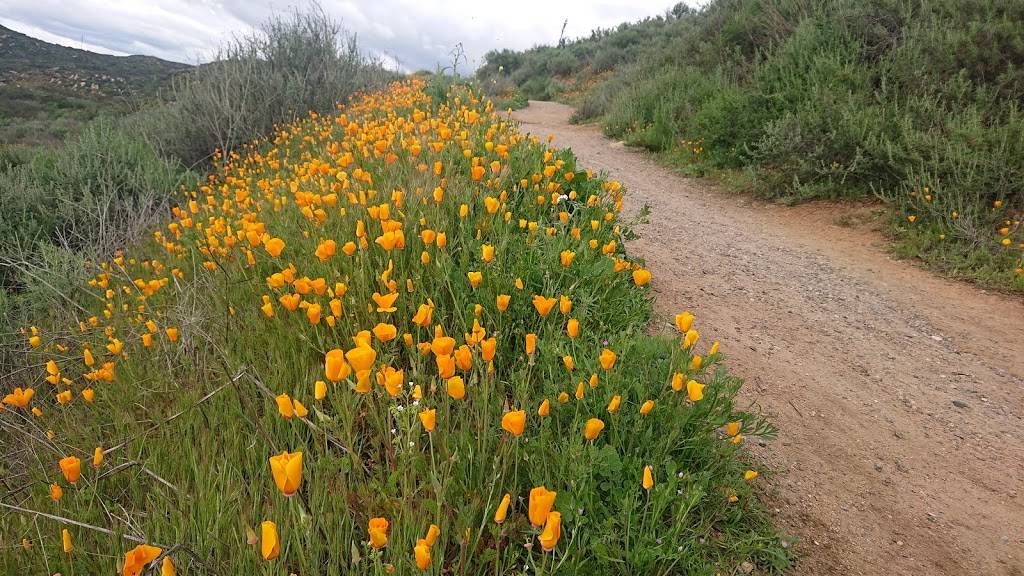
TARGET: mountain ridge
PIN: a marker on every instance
(27, 62)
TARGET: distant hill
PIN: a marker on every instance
(47, 90)
(30, 62)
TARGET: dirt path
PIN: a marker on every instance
(899, 395)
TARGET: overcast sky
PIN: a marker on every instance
(416, 34)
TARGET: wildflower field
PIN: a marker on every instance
(404, 338)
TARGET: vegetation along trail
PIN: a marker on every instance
(898, 395)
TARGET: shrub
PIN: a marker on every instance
(95, 192)
(294, 65)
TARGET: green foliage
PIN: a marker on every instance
(840, 99)
(93, 193)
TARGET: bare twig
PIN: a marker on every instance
(65, 520)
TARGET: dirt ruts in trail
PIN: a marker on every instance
(899, 395)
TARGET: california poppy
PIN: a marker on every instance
(572, 328)
(335, 366)
(694, 391)
(552, 531)
(541, 502)
(287, 471)
(19, 398)
(488, 348)
(136, 559)
(422, 555)
(71, 466)
(502, 512)
(424, 315)
(385, 302)
(464, 358)
(274, 246)
(378, 530)
(564, 304)
(607, 359)
(514, 422)
(683, 321)
(593, 428)
(502, 301)
(385, 332)
(270, 546)
(285, 406)
(445, 366)
(429, 419)
(690, 338)
(326, 249)
(641, 276)
(566, 257)
(432, 533)
(648, 481)
(456, 387)
(613, 406)
(732, 429)
(543, 305)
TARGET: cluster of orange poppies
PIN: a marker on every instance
(422, 281)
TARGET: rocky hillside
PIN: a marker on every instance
(47, 91)
(28, 62)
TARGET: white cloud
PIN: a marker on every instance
(409, 33)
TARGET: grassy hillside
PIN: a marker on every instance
(48, 91)
(917, 103)
(400, 338)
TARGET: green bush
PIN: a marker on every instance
(294, 65)
(96, 191)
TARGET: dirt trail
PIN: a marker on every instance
(899, 395)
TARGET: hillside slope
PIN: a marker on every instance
(917, 103)
(47, 91)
